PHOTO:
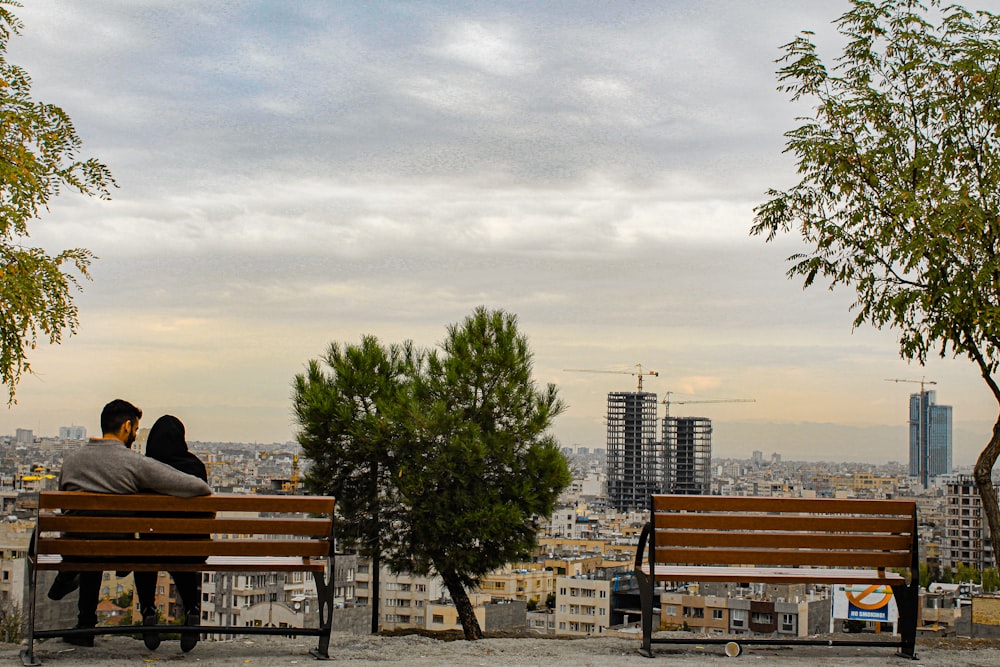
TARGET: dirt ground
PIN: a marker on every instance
(419, 651)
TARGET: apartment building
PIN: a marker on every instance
(967, 538)
(414, 601)
(706, 614)
(524, 582)
(748, 612)
(583, 605)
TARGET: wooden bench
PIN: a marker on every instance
(248, 533)
(780, 541)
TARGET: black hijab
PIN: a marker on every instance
(166, 443)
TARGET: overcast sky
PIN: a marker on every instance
(296, 173)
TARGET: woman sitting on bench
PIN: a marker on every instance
(166, 443)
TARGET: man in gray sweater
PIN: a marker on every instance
(108, 465)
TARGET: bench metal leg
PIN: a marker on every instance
(28, 658)
(646, 605)
(907, 601)
(324, 595)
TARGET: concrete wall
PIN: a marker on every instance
(819, 617)
(512, 615)
(49, 614)
(352, 620)
(985, 616)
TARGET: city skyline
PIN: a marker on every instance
(296, 174)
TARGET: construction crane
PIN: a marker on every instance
(924, 454)
(639, 373)
(921, 382)
(667, 402)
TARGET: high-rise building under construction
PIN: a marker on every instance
(634, 454)
(687, 445)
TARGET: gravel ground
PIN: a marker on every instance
(368, 651)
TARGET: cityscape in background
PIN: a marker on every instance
(579, 581)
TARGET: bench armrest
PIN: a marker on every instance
(643, 537)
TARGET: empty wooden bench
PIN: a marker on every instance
(780, 541)
(248, 533)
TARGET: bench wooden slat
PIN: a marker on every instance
(763, 504)
(160, 548)
(182, 525)
(828, 524)
(774, 575)
(222, 502)
(782, 540)
(777, 557)
(213, 564)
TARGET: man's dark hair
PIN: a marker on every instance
(116, 413)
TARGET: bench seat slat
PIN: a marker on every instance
(183, 525)
(791, 541)
(152, 502)
(158, 548)
(787, 575)
(765, 504)
(212, 564)
(692, 556)
(827, 524)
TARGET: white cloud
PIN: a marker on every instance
(296, 173)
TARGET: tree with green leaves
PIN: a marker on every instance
(899, 190)
(39, 150)
(441, 462)
(348, 409)
(482, 466)
(991, 580)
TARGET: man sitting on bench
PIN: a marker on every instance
(108, 465)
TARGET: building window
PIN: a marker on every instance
(438, 619)
(716, 614)
(738, 618)
(788, 622)
(762, 618)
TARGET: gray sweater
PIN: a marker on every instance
(108, 466)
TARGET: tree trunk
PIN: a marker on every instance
(374, 593)
(375, 539)
(984, 482)
(470, 624)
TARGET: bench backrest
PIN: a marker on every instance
(819, 532)
(179, 527)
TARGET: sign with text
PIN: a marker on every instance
(865, 602)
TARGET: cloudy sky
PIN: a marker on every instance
(296, 173)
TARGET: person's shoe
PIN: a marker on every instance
(150, 639)
(190, 638)
(64, 584)
(80, 640)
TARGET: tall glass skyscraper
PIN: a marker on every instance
(930, 437)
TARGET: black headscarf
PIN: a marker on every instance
(166, 443)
